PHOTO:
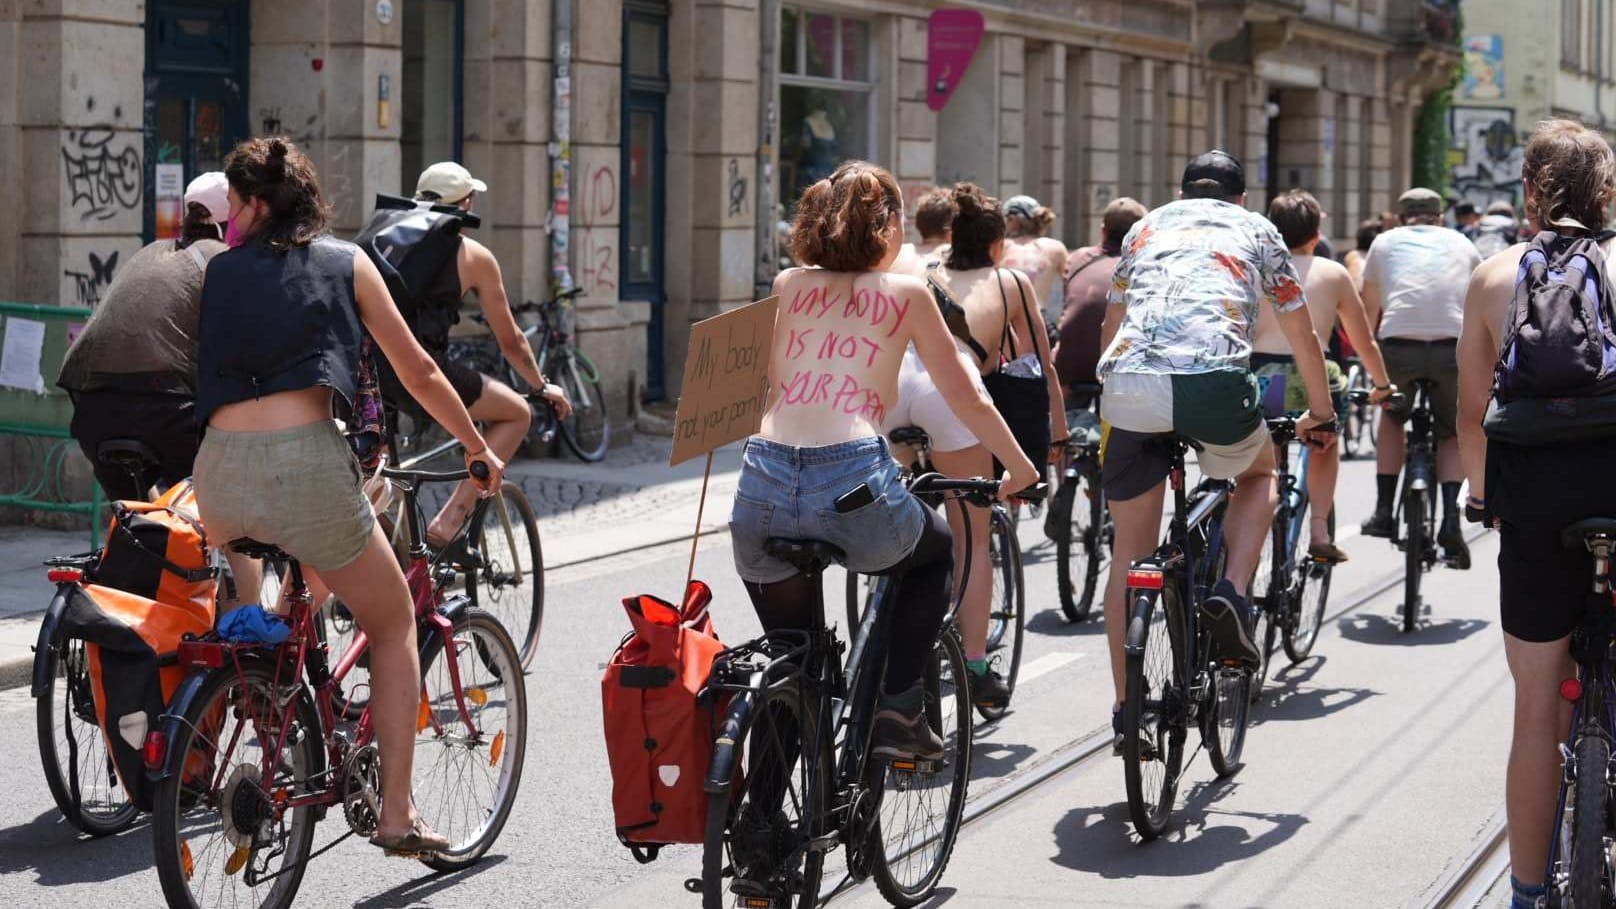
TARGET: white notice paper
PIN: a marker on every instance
(19, 357)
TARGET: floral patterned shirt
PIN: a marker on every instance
(1192, 275)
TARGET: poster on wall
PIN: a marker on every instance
(952, 37)
(169, 191)
(1484, 68)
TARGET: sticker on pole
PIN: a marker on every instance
(726, 380)
(952, 37)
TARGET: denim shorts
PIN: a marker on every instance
(790, 492)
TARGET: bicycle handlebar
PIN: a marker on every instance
(980, 490)
(478, 469)
(1395, 399)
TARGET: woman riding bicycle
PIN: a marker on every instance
(1000, 328)
(819, 467)
(283, 314)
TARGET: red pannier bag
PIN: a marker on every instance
(659, 731)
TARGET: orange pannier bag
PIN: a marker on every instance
(158, 550)
(659, 732)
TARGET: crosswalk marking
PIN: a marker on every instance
(1047, 663)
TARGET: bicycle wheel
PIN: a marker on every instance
(921, 804)
(1226, 721)
(1307, 606)
(509, 584)
(467, 767)
(1264, 630)
(1152, 715)
(1010, 611)
(1414, 543)
(1085, 533)
(587, 429)
(1586, 882)
(1004, 553)
(221, 837)
(73, 753)
(759, 831)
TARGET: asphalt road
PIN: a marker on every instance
(1370, 768)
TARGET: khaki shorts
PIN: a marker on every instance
(297, 488)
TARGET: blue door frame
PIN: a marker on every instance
(645, 95)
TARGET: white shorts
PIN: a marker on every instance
(921, 404)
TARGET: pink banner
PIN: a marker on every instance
(952, 38)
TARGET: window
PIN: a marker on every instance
(430, 94)
(1571, 34)
(826, 87)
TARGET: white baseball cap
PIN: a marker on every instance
(212, 191)
(449, 181)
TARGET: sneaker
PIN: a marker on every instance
(1116, 731)
(904, 735)
(1147, 736)
(1228, 616)
(1380, 524)
(1455, 551)
(988, 689)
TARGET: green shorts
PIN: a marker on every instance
(1284, 392)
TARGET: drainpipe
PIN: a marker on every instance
(768, 255)
(561, 148)
(1599, 63)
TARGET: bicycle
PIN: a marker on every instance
(1415, 530)
(252, 813)
(1008, 608)
(1360, 424)
(1291, 611)
(803, 724)
(1579, 872)
(1084, 524)
(587, 430)
(1175, 677)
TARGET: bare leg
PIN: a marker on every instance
(1137, 522)
(508, 416)
(1247, 522)
(1323, 469)
(974, 608)
(373, 589)
(1389, 448)
(1449, 467)
(1532, 782)
(249, 578)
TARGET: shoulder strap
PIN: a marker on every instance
(1026, 315)
(1066, 278)
(196, 256)
(1006, 339)
(945, 301)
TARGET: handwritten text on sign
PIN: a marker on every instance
(726, 383)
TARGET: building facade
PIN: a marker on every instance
(693, 123)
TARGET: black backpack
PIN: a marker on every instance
(1555, 379)
(411, 242)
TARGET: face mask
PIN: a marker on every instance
(233, 236)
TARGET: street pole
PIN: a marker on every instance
(561, 150)
(768, 260)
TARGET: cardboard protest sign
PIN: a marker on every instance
(726, 380)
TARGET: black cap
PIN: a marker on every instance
(1219, 167)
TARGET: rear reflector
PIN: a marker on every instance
(201, 654)
(64, 575)
(154, 750)
(1144, 579)
(1571, 690)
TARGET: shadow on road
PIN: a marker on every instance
(941, 896)
(60, 856)
(1285, 698)
(414, 893)
(992, 760)
(1053, 622)
(1199, 840)
(1387, 631)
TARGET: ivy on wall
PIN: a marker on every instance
(1433, 134)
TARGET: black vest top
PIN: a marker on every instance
(277, 321)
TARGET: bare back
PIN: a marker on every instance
(1326, 286)
(839, 339)
(1041, 260)
(983, 293)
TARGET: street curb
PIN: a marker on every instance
(16, 673)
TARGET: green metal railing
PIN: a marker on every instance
(42, 415)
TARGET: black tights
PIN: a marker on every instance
(923, 580)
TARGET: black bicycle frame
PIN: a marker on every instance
(1419, 459)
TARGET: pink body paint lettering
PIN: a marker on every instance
(797, 342)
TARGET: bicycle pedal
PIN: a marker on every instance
(760, 902)
(916, 766)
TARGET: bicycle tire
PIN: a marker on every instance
(1227, 718)
(510, 582)
(1414, 543)
(1014, 622)
(496, 667)
(1586, 883)
(1264, 627)
(1307, 608)
(1089, 534)
(942, 688)
(174, 801)
(67, 783)
(1004, 554)
(1152, 727)
(587, 430)
(718, 858)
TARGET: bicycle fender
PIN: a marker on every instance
(50, 634)
(1138, 631)
(173, 721)
(727, 745)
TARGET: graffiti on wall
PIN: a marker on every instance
(737, 188)
(87, 285)
(102, 179)
(1486, 156)
(597, 240)
(1484, 68)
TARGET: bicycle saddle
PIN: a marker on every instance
(808, 556)
(909, 435)
(1577, 535)
(126, 453)
(253, 549)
